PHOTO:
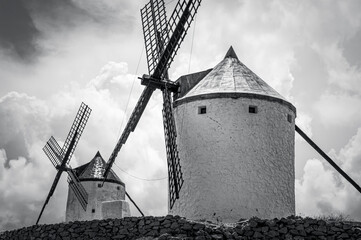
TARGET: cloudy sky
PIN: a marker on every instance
(56, 54)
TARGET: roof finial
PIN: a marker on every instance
(231, 53)
(97, 154)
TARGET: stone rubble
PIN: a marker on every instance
(177, 228)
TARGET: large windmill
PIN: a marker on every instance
(60, 158)
(162, 41)
(237, 150)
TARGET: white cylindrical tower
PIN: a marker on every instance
(236, 145)
(104, 201)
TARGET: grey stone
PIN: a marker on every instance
(198, 226)
(164, 231)
(187, 227)
(152, 233)
(181, 235)
(164, 236)
(174, 225)
(228, 235)
(300, 227)
(239, 231)
(322, 228)
(288, 237)
(344, 235)
(298, 238)
(321, 223)
(217, 237)
(200, 238)
(271, 223)
(64, 234)
(336, 229)
(252, 223)
(257, 235)
(346, 226)
(318, 233)
(272, 234)
(248, 233)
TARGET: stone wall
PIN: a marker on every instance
(177, 228)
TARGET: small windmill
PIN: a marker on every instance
(162, 41)
(60, 158)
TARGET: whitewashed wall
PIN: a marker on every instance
(235, 164)
(96, 196)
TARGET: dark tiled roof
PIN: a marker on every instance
(94, 170)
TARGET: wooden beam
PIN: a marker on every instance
(328, 159)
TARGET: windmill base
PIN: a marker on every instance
(115, 209)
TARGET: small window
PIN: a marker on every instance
(118, 188)
(252, 109)
(202, 110)
(289, 118)
(93, 210)
(99, 185)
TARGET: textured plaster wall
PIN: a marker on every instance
(235, 164)
(96, 195)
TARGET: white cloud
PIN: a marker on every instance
(37, 120)
(323, 191)
(303, 121)
(111, 73)
(350, 155)
(24, 179)
(316, 189)
(338, 109)
(259, 34)
(341, 73)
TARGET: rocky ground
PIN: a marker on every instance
(177, 228)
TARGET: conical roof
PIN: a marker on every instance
(231, 75)
(94, 170)
(229, 79)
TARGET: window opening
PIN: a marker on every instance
(289, 118)
(252, 109)
(202, 110)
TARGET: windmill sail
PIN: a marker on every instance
(177, 27)
(78, 188)
(75, 132)
(154, 23)
(162, 41)
(169, 35)
(175, 179)
(60, 157)
(53, 151)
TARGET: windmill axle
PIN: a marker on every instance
(160, 84)
(62, 168)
